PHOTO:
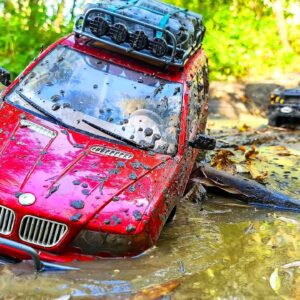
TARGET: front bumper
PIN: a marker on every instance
(19, 251)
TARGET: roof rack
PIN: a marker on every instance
(138, 38)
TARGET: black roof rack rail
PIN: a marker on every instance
(106, 27)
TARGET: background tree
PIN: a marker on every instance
(244, 37)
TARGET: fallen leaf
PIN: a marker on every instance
(241, 148)
(252, 153)
(156, 291)
(255, 174)
(280, 148)
(221, 161)
(275, 281)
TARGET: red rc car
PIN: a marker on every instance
(99, 135)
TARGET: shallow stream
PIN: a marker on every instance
(224, 250)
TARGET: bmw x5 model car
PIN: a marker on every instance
(99, 134)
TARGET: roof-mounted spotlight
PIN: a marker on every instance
(119, 33)
(159, 47)
(139, 40)
(98, 26)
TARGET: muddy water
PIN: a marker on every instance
(226, 250)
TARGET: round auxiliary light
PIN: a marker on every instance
(26, 199)
(159, 47)
(99, 26)
(119, 33)
(139, 40)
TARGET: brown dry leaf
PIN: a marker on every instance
(282, 151)
(241, 148)
(204, 181)
(280, 148)
(252, 153)
(157, 291)
(222, 161)
(255, 174)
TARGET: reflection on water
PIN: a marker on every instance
(224, 250)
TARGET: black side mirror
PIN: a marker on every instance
(4, 77)
(203, 141)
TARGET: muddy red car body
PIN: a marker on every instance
(73, 192)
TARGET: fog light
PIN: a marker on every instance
(119, 33)
(139, 40)
(99, 26)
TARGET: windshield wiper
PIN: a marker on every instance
(40, 109)
(119, 137)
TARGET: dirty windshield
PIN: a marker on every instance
(82, 90)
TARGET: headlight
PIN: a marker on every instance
(98, 243)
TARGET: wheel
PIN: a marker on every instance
(274, 122)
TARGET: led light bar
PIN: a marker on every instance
(111, 28)
(119, 34)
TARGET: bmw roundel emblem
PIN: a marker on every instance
(26, 199)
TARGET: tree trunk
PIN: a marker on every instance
(73, 10)
(59, 20)
(281, 24)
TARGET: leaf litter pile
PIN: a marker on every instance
(259, 166)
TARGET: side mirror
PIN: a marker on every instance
(203, 142)
(4, 77)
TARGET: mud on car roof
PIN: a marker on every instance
(160, 33)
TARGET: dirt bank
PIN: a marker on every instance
(231, 99)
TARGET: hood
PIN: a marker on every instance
(64, 169)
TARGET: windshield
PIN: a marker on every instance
(76, 88)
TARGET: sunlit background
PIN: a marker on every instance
(244, 38)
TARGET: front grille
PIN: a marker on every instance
(7, 219)
(111, 152)
(41, 232)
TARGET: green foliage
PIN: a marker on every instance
(242, 36)
(28, 29)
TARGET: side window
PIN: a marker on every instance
(198, 96)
